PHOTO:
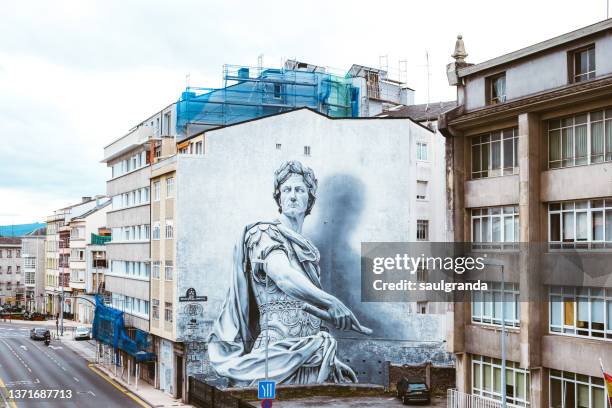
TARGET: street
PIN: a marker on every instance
(28, 367)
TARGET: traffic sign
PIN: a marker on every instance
(266, 390)
(266, 403)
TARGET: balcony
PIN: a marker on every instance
(135, 138)
(100, 239)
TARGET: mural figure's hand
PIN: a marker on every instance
(343, 372)
(341, 316)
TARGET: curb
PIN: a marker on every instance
(102, 372)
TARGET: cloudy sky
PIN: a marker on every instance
(75, 75)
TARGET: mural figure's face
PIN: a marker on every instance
(294, 196)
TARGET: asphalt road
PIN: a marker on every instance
(30, 365)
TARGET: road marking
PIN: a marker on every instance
(55, 347)
(24, 347)
(117, 386)
(8, 402)
(76, 379)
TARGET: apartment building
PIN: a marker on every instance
(83, 233)
(12, 290)
(33, 266)
(57, 256)
(530, 161)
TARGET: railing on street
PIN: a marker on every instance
(456, 399)
(204, 395)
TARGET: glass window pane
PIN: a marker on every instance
(487, 377)
(477, 304)
(476, 375)
(554, 146)
(508, 159)
(497, 380)
(568, 312)
(508, 229)
(486, 230)
(582, 230)
(495, 155)
(555, 227)
(597, 313)
(598, 228)
(484, 160)
(555, 393)
(496, 237)
(476, 159)
(598, 398)
(568, 227)
(609, 327)
(567, 146)
(581, 144)
(583, 396)
(608, 131)
(556, 310)
(476, 230)
(597, 142)
(520, 386)
(608, 225)
(591, 58)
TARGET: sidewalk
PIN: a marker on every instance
(146, 392)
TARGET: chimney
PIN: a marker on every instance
(85, 199)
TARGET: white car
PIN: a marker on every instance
(82, 333)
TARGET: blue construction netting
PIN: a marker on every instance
(109, 328)
(255, 92)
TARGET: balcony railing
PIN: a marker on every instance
(100, 239)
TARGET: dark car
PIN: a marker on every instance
(38, 333)
(413, 390)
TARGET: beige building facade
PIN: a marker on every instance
(529, 160)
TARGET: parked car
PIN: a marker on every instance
(413, 390)
(38, 333)
(82, 333)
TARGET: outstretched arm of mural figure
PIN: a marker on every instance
(295, 284)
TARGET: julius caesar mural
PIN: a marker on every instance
(275, 294)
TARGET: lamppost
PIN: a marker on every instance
(503, 334)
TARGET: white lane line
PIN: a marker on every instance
(76, 379)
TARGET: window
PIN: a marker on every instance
(168, 312)
(487, 305)
(421, 190)
(486, 380)
(495, 154)
(569, 390)
(29, 263)
(306, 150)
(585, 312)
(422, 274)
(168, 271)
(421, 151)
(156, 269)
(18, 253)
(167, 127)
(169, 187)
(169, 229)
(278, 146)
(18, 269)
(278, 91)
(9, 253)
(422, 230)
(496, 89)
(156, 190)
(580, 224)
(156, 231)
(422, 307)
(198, 148)
(582, 64)
(495, 224)
(155, 308)
(9, 270)
(580, 139)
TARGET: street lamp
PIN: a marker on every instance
(503, 334)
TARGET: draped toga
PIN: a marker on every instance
(299, 351)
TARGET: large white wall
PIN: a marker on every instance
(367, 172)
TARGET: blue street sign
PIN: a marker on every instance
(266, 390)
